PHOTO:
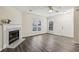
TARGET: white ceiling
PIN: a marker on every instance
(42, 10)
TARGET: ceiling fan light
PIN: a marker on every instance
(50, 11)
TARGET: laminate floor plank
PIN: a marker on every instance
(46, 43)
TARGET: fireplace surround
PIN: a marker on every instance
(12, 36)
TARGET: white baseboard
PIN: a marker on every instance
(60, 35)
(33, 35)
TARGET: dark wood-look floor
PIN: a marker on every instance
(46, 43)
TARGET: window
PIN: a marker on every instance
(50, 25)
(36, 25)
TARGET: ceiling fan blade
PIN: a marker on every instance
(50, 7)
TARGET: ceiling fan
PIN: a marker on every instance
(51, 9)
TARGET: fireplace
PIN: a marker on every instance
(13, 36)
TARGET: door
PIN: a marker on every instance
(0, 37)
(68, 24)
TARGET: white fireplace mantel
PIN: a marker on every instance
(6, 29)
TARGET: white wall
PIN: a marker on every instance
(27, 24)
(63, 23)
(11, 13)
